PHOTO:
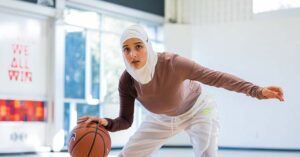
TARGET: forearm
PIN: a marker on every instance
(226, 81)
(234, 83)
(118, 124)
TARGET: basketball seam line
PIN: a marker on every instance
(90, 127)
(103, 144)
(93, 141)
(80, 140)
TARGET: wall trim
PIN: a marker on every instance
(32, 9)
(109, 8)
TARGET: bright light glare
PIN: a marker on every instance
(271, 5)
(58, 141)
(83, 19)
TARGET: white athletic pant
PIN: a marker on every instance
(200, 122)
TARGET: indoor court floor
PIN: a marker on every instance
(180, 152)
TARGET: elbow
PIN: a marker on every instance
(127, 123)
(123, 124)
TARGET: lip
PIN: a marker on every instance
(133, 62)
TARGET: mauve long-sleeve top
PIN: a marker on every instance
(173, 89)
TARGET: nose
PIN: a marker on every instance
(133, 53)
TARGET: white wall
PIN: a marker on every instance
(207, 11)
(179, 34)
(27, 27)
(265, 52)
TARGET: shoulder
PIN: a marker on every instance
(166, 56)
(126, 83)
(125, 76)
(125, 79)
(174, 59)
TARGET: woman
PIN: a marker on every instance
(168, 86)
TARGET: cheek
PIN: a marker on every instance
(144, 55)
(127, 57)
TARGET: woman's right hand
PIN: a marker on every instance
(88, 119)
(273, 92)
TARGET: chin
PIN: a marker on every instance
(136, 66)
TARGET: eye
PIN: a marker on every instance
(126, 50)
(139, 46)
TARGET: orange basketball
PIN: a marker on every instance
(90, 140)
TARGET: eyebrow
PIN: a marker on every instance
(134, 44)
(138, 43)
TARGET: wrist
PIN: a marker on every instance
(261, 93)
(105, 122)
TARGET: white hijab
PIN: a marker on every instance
(144, 74)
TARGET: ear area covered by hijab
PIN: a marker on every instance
(145, 74)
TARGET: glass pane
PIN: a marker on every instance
(110, 110)
(270, 5)
(115, 25)
(93, 39)
(75, 48)
(86, 19)
(49, 3)
(87, 110)
(69, 28)
(112, 64)
(160, 33)
(158, 47)
(150, 30)
(73, 111)
(66, 121)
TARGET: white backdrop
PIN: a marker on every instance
(24, 71)
(23, 58)
(265, 52)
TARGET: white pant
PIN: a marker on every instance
(200, 122)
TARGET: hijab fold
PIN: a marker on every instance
(144, 74)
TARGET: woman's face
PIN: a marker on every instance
(135, 52)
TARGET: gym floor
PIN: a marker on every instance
(179, 152)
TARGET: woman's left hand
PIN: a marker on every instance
(273, 92)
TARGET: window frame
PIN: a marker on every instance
(138, 109)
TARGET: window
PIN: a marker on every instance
(94, 63)
(82, 66)
(271, 5)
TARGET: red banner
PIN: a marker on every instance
(19, 110)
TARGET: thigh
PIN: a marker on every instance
(147, 139)
(212, 149)
(203, 131)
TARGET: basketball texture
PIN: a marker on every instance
(90, 140)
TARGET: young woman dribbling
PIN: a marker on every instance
(168, 86)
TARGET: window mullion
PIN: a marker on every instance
(88, 68)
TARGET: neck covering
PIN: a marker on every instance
(145, 73)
